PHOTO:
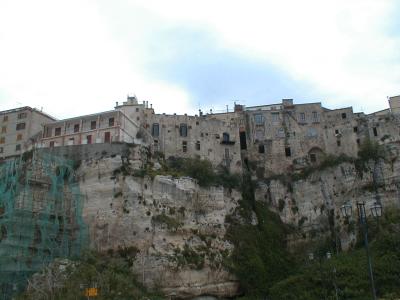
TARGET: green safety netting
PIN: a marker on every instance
(40, 216)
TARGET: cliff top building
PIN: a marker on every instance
(273, 138)
(20, 128)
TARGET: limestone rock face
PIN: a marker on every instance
(177, 226)
(313, 204)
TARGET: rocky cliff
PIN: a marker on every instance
(179, 227)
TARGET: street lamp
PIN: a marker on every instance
(376, 211)
(346, 210)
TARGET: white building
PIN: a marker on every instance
(104, 127)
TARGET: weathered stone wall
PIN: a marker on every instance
(92, 151)
(204, 138)
(310, 131)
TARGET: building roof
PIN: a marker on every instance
(84, 116)
(23, 108)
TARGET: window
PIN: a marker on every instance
(259, 135)
(76, 128)
(51, 144)
(313, 157)
(19, 137)
(225, 137)
(227, 155)
(259, 119)
(107, 137)
(184, 146)
(336, 131)
(315, 116)
(243, 143)
(1, 149)
(71, 141)
(355, 129)
(57, 131)
(198, 145)
(20, 126)
(261, 149)
(93, 125)
(47, 132)
(280, 133)
(358, 141)
(338, 143)
(21, 115)
(4, 129)
(137, 119)
(111, 122)
(275, 117)
(5, 118)
(302, 117)
(155, 130)
(156, 148)
(2, 140)
(137, 109)
(18, 147)
(88, 139)
(344, 116)
(288, 152)
(312, 132)
(183, 130)
(375, 131)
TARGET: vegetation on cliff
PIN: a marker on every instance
(369, 151)
(260, 257)
(111, 273)
(346, 273)
(199, 169)
(265, 268)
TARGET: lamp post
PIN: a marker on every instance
(376, 211)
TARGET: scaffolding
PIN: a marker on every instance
(40, 216)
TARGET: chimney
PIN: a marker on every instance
(116, 103)
(238, 107)
(287, 102)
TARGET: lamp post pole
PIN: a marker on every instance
(364, 226)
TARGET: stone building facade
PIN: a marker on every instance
(207, 137)
(19, 129)
(286, 137)
(275, 138)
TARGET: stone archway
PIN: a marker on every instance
(315, 155)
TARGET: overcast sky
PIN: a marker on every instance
(81, 56)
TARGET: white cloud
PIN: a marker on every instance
(62, 57)
(339, 47)
(89, 54)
